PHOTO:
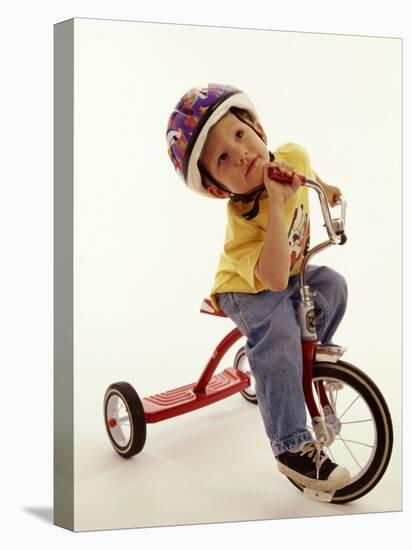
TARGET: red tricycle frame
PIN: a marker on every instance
(325, 377)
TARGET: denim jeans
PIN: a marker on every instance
(269, 321)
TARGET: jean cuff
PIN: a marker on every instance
(292, 442)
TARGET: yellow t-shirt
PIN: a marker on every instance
(244, 238)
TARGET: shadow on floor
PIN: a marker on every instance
(42, 512)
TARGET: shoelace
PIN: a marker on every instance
(314, 451)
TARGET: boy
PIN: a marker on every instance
(219, 147)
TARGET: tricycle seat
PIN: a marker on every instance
(207, 307)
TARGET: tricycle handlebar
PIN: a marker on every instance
(336, 227)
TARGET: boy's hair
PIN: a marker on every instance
(243, 114)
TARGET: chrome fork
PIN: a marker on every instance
(336, 235)
(325, 428)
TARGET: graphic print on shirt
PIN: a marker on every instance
(298, 236)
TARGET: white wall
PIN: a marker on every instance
(146, 248)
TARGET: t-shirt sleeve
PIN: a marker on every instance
(244, 243)
(296, 156)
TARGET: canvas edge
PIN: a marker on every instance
(63, 417)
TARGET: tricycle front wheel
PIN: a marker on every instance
(363, 427)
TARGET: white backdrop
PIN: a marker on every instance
(27, 320)
(146, 248)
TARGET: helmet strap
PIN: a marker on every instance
(254, 195)
(205, 172)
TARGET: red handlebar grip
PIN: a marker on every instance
(277, 175)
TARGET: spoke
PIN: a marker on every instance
(357, 443)
(350, 452)
(353, 402)
(124, 420)
(358, 421)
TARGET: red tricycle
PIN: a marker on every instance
(348, 413)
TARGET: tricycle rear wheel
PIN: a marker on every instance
(124, 419)
(241, 363)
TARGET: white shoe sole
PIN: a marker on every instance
(338, 479)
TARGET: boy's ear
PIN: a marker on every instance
(217, 192)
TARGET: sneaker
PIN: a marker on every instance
(309, 466)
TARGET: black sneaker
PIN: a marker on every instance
(309, 466)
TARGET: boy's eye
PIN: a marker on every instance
(239, 134)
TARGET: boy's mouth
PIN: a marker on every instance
(250, 166)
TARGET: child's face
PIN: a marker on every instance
(235, 155)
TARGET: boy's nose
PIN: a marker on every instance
(241, 157)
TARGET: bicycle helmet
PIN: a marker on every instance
(196, 112)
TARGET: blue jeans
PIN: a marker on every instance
(269, 321)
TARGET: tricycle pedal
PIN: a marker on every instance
(321, 496)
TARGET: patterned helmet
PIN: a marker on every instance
(194, 115)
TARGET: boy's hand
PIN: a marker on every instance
(280, 192)
(332, 193)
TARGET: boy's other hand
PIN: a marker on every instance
(332, 193)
